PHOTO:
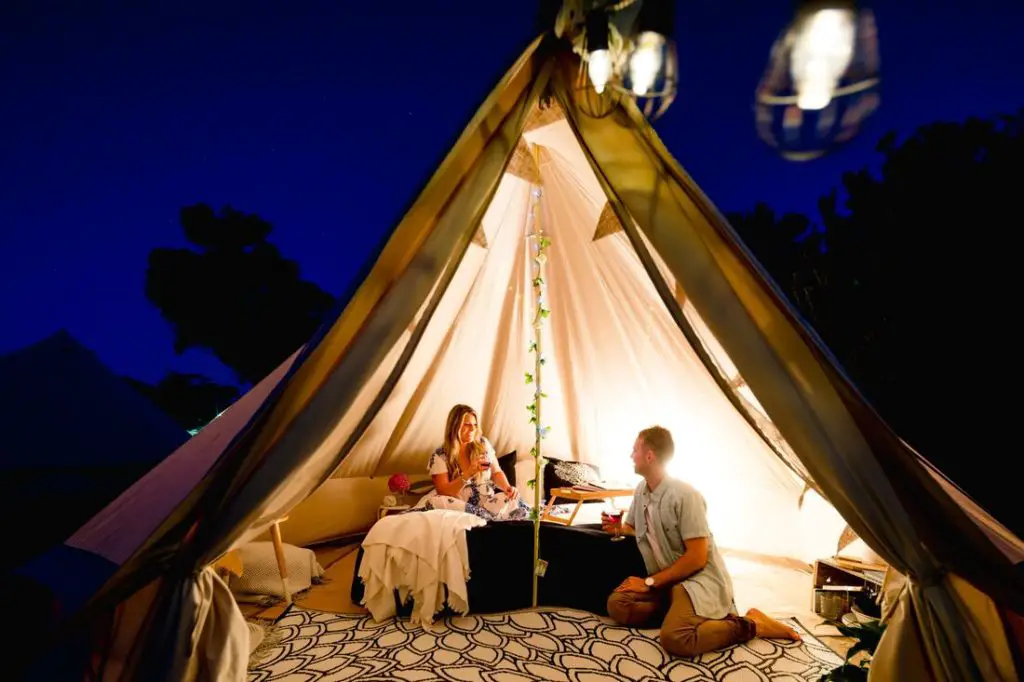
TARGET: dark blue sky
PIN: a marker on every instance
(326, 122)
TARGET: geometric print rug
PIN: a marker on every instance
(556, 645)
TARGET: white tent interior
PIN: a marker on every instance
(615, 363)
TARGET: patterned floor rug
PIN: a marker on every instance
(555, 645)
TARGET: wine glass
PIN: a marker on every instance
(616, 518)
(484, 462)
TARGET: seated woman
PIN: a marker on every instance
(466, 474)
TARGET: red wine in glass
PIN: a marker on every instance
(616, 518)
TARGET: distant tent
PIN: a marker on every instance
(659, 314)
(73, 436)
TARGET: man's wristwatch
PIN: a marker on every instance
(649, 581)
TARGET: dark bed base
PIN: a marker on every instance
(584, 566)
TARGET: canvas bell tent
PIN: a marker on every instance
(75, 435)
(657, 315)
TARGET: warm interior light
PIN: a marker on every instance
(645, 63)
(822, 51)
(599, 67)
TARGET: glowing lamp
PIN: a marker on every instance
(822, 52)
(822, 79)
(626, 51)
(646, 61)
(599, 57)
(652, 74)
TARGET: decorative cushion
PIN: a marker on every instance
(561, 473)
(507, 462)
(261, 577)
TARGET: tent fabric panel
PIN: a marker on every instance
(607, 223)
(123, 526)
(912, 643)
(507, 307)
(988, 641)
(455, 359)
(696, 331)
(119, 660)
(627, 166)
(480, 238)
(744, 398)
(542, 115)
(341, 507)
(523, 165)
(630, 368)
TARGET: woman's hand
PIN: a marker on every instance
(511, 493)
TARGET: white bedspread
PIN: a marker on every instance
(419, 554)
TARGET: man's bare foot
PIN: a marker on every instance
(769, 628)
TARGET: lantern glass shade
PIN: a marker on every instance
(650, 75)
(822, 80)
(625, 50)
(589, 101)
(598, 56)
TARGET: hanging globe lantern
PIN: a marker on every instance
(822, 80)
(626, 50)
(652, 75)
(599, 66)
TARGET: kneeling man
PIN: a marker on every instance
(688, 588)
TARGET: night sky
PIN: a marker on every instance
(327, 122)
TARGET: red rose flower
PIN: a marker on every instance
(398, 484)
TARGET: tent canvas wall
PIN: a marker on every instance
(662, 318)
(75, 435)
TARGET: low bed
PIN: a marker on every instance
(583, 566)
(583, 563)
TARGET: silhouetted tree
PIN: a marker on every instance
(787, 248)
(192, 400)
(914, 289)
(235, 295)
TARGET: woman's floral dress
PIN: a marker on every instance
(479, 496)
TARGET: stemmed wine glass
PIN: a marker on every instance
(615, 519)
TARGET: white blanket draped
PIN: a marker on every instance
(419, 554)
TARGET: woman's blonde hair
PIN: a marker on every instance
(452, 446)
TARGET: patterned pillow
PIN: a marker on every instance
(561, 473)
(577, 473)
